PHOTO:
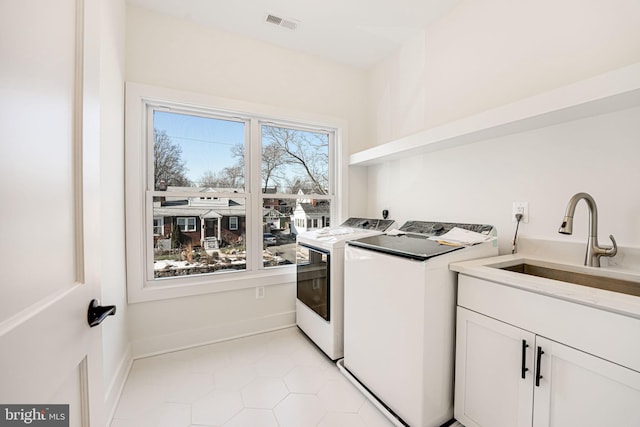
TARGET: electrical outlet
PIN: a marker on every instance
(520, 208)
(260, 292)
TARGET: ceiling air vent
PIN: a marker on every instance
(282, 22)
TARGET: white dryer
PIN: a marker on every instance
(320, 280)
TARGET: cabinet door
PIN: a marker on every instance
(494, 372)
(578, 389)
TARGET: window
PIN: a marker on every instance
(186, 224)
(158, 226)
(214, 183)
(233, 223)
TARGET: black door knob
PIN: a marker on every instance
(97, 313)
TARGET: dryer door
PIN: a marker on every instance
(312, 270)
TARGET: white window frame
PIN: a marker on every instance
(233, 225)
(159, 227)
(139, 201)
(187, 220)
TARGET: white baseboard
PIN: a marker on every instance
(112, 396)
(150, 346)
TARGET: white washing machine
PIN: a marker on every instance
(399, 325)
(320, 280)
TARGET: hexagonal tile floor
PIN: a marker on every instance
(277, 379)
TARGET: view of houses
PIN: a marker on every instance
(205, 233)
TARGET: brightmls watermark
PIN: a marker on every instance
(34, 415)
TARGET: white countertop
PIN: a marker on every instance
(485, 268)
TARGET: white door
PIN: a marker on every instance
(49, 207)
(494, 372)
(578, 389)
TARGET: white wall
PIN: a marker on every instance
(545, 167)
(172, 53)
(115, 334)
(184, 322)
(179, 54)
(486, 54)
(490, 53)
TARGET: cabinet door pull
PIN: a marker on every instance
(524, 368)
(538, 359)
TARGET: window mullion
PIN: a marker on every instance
(254, 212)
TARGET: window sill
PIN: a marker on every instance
(206, 284)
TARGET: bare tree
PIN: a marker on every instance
(290, 158)
(237, 151)
(306, 151)
(234, 176)
(208, 179)
(168, 165)
(272, 159)
(229, 177)
(296, 184)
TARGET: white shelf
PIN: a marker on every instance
(613, 91)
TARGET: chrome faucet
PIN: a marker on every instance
(594, 252)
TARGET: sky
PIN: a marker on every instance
(205, 142)
(206, 145)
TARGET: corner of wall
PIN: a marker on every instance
(116, 386)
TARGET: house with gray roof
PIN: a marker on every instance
(310, 216)
(201, 217)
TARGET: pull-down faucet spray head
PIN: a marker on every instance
(567, 225)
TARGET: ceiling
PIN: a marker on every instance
(359, 33)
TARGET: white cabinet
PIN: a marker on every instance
(489, 390)
(578, 389)
(509, 377)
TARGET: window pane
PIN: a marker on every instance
(194, 151)
(187, 224)
(197, 236)
(294, 161)
(233, 223)
(158, 226)
(279, 232)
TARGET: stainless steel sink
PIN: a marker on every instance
(583, 279)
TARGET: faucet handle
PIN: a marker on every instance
(611, 251)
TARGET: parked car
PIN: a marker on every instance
(283, 238)
(269, 239)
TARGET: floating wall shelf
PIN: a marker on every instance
(613, 91)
